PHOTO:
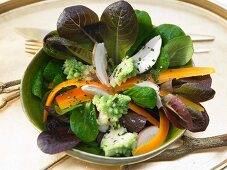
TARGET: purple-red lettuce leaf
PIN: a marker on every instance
(183, 116)
(178, 110)
(54, 50)
(133, 122)
(56, 140)
(65, 42)
(173, 118)
(200, 119)
(81, 51)
(118, 29)
(51, 111)
(80, 24)
(53, 123)
(197, 89)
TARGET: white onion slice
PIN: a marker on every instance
(92, 89)
(148, 55)
(100, 63)
(145, 135)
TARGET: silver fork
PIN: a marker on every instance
(32, 45)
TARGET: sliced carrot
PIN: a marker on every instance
(184, 72)
(72, 98)
(157, 140)
(184, 100)
(62, 85)
(143, 113)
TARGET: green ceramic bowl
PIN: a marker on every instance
(31, 107)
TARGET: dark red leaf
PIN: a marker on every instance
(177, 110)
(197, 89)
(133, 122)
(200, 120)
(52, 112)
(56, 140)
(173, 118)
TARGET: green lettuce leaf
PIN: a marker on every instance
(167, 32)
(162, 62)
(83, 122)
(143, 96)
(180, 50)
(37, 84)
(52, 69)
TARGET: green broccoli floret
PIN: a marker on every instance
(75, 69)
(118, 142)
(111, 108)
(126, 69)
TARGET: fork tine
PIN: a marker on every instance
(33, 44)
(31, 51)
(202, 50)
(32, 48)
(36, 41)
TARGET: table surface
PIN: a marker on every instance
(20, 151)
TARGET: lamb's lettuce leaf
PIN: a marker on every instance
(142, 96)
(83, 122)
(52, 69)
(118, 29)
(37, 84)
(175, 43)
(162, 62)
(180, 50)
(168, 32)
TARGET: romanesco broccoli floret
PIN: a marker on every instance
(111, 108)
(126, 69)
(118, 142)
(75, 69)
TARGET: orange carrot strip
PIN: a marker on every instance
(72, 97)
(60, 86)
(143, 113)
(184, 72)
(157, 140)
(185, 101)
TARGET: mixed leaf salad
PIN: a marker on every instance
(113, 85)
